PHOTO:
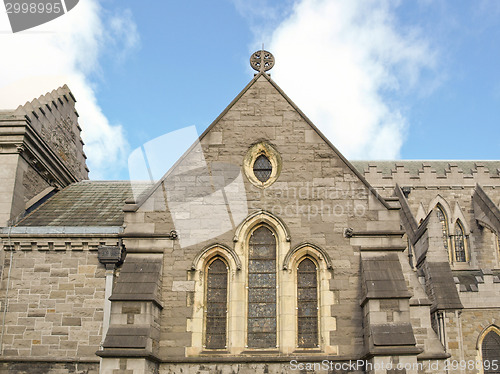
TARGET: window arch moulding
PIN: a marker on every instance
(459, 215)
(261, 216)
(213, 250)
(307, 249)
(439, 200)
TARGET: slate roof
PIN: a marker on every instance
(383, 278)
(139, 280)
(86, 203)
(416, 166)
(393, 334)
(128, 336)
(442, 284)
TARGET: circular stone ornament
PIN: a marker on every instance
(262, 61)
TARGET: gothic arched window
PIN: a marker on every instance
(262, 289)
(490, 349)
(444, 225)
(216, 305)
(307, 304)
(460, 255)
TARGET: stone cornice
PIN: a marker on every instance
(18, 137)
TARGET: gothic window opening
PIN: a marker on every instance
(491, 352)
(460, 255)
(307, 304)
(262, 289)
(444, 225)
(216, 305)
(262, 168)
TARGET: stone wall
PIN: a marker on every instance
(54, 302)
(35, 367)
(473, 323)
(248, 368)
(32, 182)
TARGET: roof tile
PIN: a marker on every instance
(86, 203)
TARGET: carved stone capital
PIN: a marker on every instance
(111, 255)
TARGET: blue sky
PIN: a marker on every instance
(382, 79)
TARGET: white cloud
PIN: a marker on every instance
(67, 50)
(338, 60)
(263, 15)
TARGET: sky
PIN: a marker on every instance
(381, 79)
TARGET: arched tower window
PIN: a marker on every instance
(444, 225)
(490, 348)
(307, 304)
(262, 289)
(460, 255)
(216, 305)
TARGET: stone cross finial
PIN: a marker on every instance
(262, 61)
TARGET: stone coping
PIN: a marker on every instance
(65, 230)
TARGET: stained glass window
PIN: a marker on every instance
(491, 352)
(216, 316)
(262, 168)
(444, 225)
(262, 289)
(459, 243)
(307, 304)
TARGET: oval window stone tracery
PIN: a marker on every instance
(262, 164)
(262, 168)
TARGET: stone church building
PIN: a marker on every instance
(262, 250)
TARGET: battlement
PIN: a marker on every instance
(54, 117)
(442, 173)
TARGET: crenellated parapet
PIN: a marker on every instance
(54, 118)
(463, 174)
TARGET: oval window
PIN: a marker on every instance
(262, 168)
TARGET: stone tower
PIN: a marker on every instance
(41, 151)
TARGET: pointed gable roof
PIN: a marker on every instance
(137, 204)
